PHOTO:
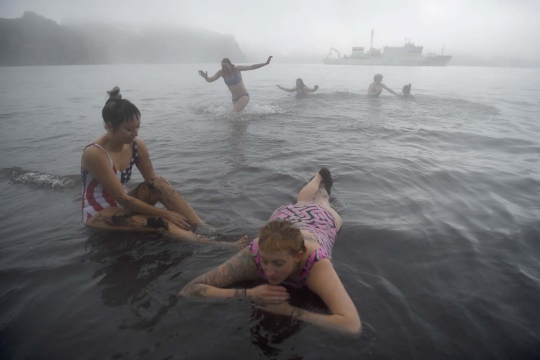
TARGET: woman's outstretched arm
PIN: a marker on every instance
(324, 281)
(238, 268)
(143, 162)
(388, 89)
(252, 67)
(286, 89)
(312, 89)
(210, 79)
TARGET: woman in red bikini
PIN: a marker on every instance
(233, 79)
(106, 167)
(294, 248)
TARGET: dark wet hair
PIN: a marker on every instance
(406, 89)
(118, 110)
(377, 76)
(227, 60)
(299, 80)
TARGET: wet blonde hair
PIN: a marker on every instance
(281, 235)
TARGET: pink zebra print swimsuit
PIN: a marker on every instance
(313, 218)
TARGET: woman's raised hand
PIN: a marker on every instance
(268, 293)
(204, 74)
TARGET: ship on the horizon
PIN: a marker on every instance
(407, 55)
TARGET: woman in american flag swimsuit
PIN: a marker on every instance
(106, 167)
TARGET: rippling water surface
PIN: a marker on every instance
(440, 198)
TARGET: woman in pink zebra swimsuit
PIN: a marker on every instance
(294, 248)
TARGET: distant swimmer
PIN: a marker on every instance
(301, 89)
(293, 248)
(106, 166)
(375, 88)
(406, 92)
(233, 79)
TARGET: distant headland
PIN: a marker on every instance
(34, 40)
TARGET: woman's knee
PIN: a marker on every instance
(160, 182)
(155, 184)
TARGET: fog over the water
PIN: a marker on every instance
(308, 28)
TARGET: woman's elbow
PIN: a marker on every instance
(354, 328)
(187, 290)
(183, 292)
(193, 288)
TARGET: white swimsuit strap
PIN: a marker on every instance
(99, 146)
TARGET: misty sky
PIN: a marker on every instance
(507, 28)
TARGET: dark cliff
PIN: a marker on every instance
(35, 40)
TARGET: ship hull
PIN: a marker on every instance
(430, 61)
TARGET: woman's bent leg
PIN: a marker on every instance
(315, 193)
(241, 104)
(158, 189)
(113, 218)
(310, 189)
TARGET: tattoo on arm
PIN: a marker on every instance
(146, 163)
(143, 162)
(239, 267)
(199, 290)
(240, 293)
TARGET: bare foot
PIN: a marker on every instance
(242, 242)
(206, 230)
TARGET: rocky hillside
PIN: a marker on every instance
(35, 40)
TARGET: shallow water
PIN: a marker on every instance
(439, 195)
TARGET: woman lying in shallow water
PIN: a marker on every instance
(107, 203)
(295, 247)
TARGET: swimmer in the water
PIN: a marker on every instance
(376, 87)
(406, 92)
(233, 79)
(301, 89)
(294, 248)
(106, 167)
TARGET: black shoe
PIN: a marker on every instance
(327, 179)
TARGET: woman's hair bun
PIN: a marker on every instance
(114, 93)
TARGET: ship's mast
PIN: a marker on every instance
(442, 51)
(371, 46)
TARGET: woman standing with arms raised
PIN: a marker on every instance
(233, 79)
